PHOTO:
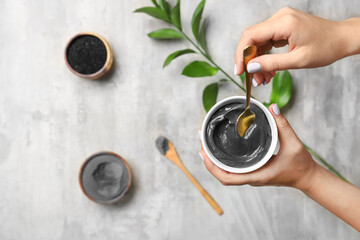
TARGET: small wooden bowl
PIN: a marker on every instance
(117, 157)
(109, 57)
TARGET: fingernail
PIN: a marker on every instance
(201, 156)
(254, 82)
(253, 67)
(199, 134)
(276, 109)
(235, 70)
(264, 82)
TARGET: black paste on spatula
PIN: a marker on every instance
(162, 144)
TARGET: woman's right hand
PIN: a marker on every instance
(312, 41)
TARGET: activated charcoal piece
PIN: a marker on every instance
(86, 54)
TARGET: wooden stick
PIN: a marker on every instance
(173, 156)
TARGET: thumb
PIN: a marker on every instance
(273, 62)
(284, 129)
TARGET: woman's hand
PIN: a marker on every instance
(293, 166)
(312, 41)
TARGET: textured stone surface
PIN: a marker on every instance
(50, 121)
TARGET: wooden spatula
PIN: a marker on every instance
(167, 148)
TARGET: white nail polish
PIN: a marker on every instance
(201, 156)
(276, 109)
(235, 70)
(200, 133)
(254, 82)
(253, 67)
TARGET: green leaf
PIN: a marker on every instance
(331, 168)
(209, 95)
(223, 80)
(154, 12)
(176, 54)
(165, 33)
(202, 36)
(281, 88)
(155, 3)
(168, 8)
(164, 5)
(175, 15)
(242, 77)
(267, 105)
(196, 18)
(199, 69)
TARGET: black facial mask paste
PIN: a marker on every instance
(226, 144)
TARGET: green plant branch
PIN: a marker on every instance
(331, 168)
(210, 60)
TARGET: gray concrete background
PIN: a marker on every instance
(51, 120)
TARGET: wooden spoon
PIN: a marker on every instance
(166, 148)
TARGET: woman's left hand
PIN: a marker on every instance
(293, 166)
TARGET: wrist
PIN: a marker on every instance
(349, 36)
(308, 180)
(313, 179)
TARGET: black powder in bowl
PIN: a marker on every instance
(86, 54)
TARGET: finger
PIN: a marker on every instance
(272, 30)
(223, 176)
(217, 172)
(259, 78)
(284, 129)
(274, 62)
(267, 77)
(263, 49)
(280, 43)
(281, 12)
(258, 35)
